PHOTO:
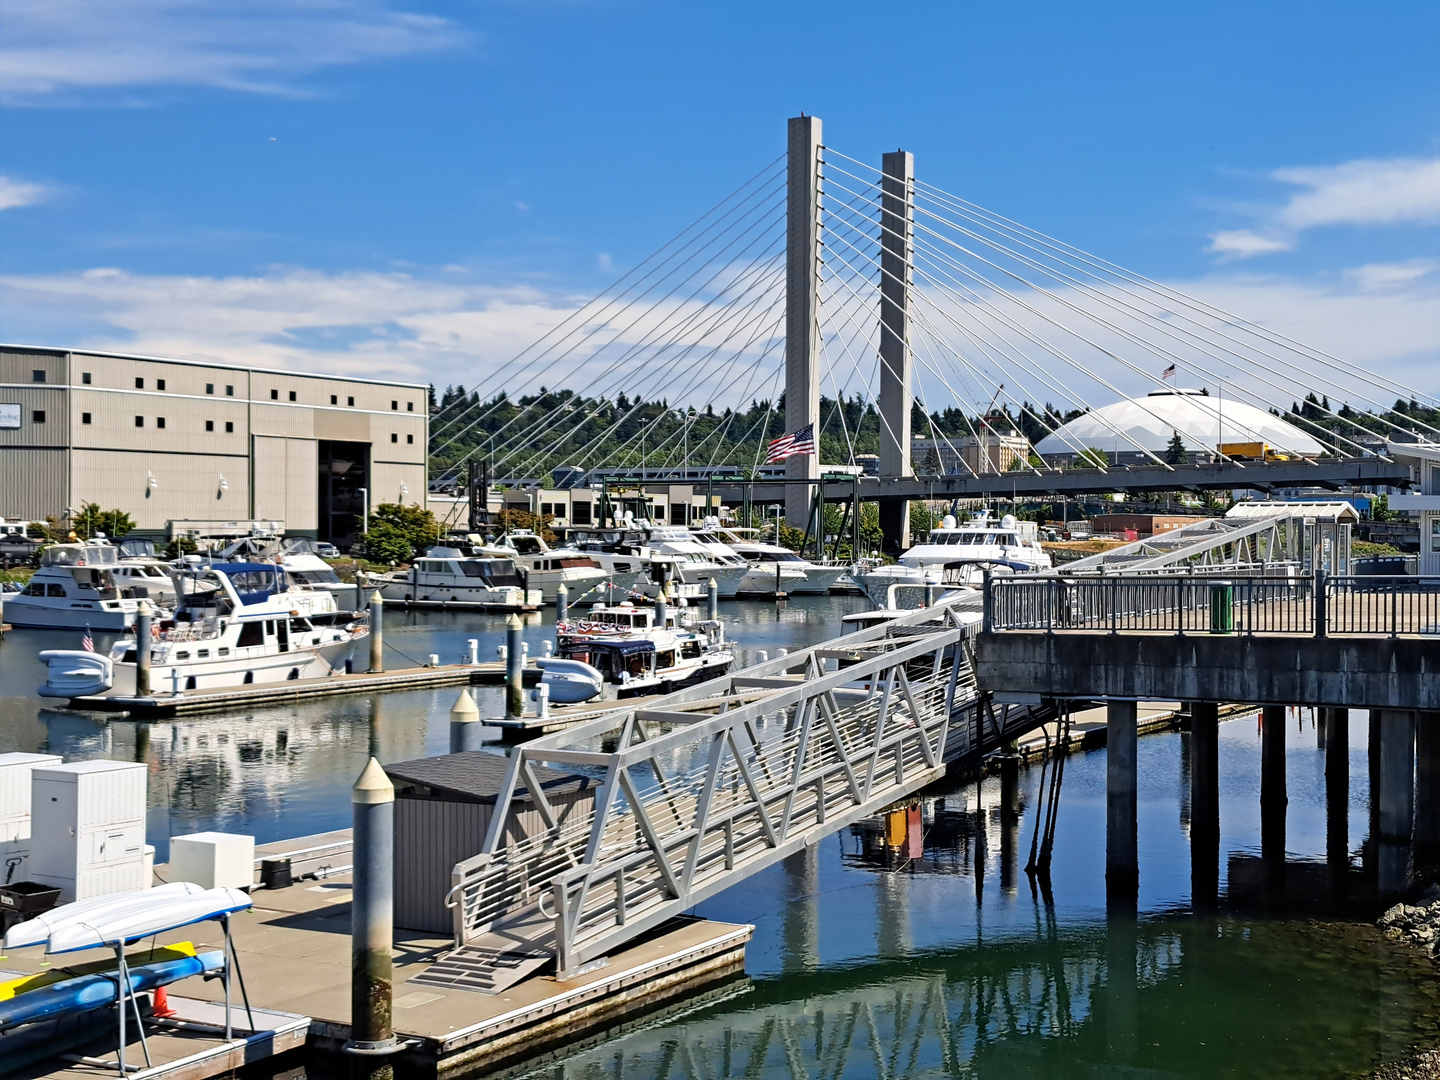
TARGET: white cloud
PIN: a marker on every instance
(53, 48)
(1368, 191)
(1381, 277)
(1243, 244)
(605, 262)
(16, 193)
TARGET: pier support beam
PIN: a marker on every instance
(1204, 804)
(1395, 803)
(372, 917)
(897, 258)
(1427, 792)
(802, 310)
(1273, 799)
(1009, 822)
(1122, 859)
(1337, 798)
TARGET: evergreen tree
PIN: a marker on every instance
(1175, 453)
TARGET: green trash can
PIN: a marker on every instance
(1222, 607)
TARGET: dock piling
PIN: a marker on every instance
(372, 805)
(464, 724)
(1122, 861)
(377, 632)
(143, 611)
(562, 604)
(514, 670)
(661, 608)
(712, 600)
(1273, 799)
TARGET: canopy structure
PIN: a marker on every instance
(1203, 421)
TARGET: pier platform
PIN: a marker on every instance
(189, 702)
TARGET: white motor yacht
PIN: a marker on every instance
(237, 623)
(630, 648)
(814, 578)
(74, 587)
(145, 579)
(446, 575)
(956, 556)
(548, 568)
(694, 562)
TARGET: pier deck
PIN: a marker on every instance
(188, 702)
(294, 951)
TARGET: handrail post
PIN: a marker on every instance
(987, 602)
(1320, 584)
(1053, 615)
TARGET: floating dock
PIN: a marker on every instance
(188, 702)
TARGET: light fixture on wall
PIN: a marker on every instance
(224, 486)
(150, 483)
(403, 491)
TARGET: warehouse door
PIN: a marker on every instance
(344, 479)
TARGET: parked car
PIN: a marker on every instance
(326, 550)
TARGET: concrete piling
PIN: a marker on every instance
(562, 604)
(1427, 791)
(514, 670)
(464, 724)
(372, 804)
(1337, 798)
(1122, 859)
(661, 608)
(1273, 799)
(143, 613)
(1395, 809)
(712, 600)
(377, 632)
(1204, 803)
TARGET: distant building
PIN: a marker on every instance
(966, 455)
(165, 439)
(1142, 525)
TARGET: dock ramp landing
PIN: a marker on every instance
(694, 800)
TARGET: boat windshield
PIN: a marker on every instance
(78, 555)
(315, 577)
(254, 583)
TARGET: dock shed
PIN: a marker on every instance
(443, 807)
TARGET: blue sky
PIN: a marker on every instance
(418, 188)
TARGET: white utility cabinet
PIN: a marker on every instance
(87, 828)
(213, 860)
(15, 793)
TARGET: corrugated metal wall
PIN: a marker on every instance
(431, 836)
(33, 484)
(287, 479)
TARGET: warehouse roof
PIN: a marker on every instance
(476, 776)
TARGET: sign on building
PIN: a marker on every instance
(9, 416)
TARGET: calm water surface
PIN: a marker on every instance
(865, 964)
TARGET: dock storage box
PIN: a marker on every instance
(213, 860)
(88, 828)
(15, 772)
(443, 807)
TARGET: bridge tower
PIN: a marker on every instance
(897, 258)
(802, 311)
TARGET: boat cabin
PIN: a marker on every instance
(75, 571)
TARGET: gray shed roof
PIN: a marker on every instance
(476, 776)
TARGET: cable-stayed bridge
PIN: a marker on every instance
(910, 312)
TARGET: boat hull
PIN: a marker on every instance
(21, 611)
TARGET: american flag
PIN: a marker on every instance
(87, 642)
(1168, 373)
(793, 445)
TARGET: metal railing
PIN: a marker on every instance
(1318, 606)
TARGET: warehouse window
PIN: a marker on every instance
(229, 427)
(85, 377)
(334, 399)
(292, 395)
(139, 421)
(209, 387)
(139, 384)
(84, 417)
(350, 401)
(159, 421)
(394, 406)
(209, 425)
(229, 391)
(409, 406)
(37, 416)
(547, 509)
(37, 376)
(410, 439)
(394, 437)
(274, 395)
(159, 384)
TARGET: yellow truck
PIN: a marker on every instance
(1251, 451)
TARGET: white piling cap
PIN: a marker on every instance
(376, 598)
(144, 608)
(373, 787)
(464, 711)
(512, 623)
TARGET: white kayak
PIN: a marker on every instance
(129, 923)
(37, 931)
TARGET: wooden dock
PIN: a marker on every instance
(294, 950)
(189, 702)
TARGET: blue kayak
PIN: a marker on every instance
(85, 993)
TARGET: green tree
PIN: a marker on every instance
(181, 545)
(387, 542)
(91, 520)
(1092, 459)
(1380, 509)
(409, 526)
(1175, 453)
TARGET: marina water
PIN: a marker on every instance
(865, 963)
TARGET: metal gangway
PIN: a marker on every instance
(702, 788)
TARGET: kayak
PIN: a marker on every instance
(128, 922)
(24, 984)
(37, 931)
(85, 993)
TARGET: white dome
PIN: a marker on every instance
(1202, 421)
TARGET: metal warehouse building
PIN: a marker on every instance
(166, 439)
